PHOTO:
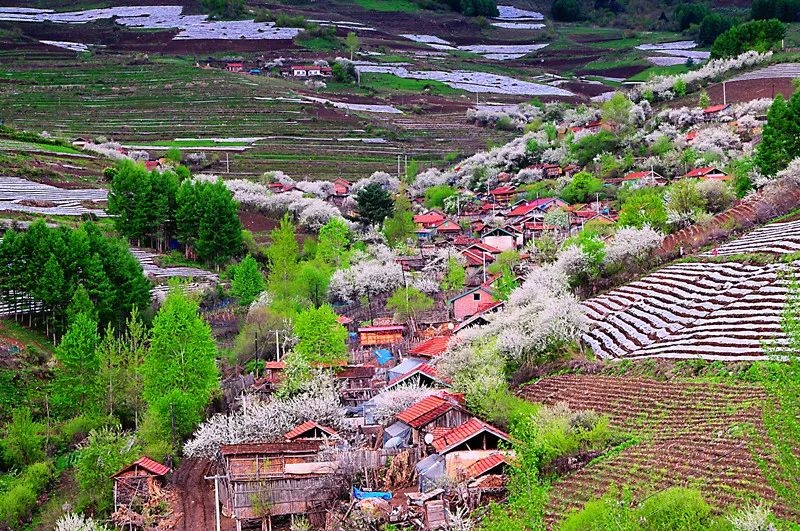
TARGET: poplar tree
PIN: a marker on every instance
(179, 372)
(334, 239)
(374, 204)
(283, 255)
(219, 233)
(320, 336)
(75, 389)
(247, 281)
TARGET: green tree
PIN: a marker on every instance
(588, 147)
(703, 102)
(352, 43)
(24, 439)
(679, 87)
(312, 282)
(400, 225)
(582, 187)
(455, 276)
(320, 337)
(772, 152)
(283, 255)
(334, 241)
(230, 9)
(120, 358)
(758, 35)
(505, 284)
(75, 388)
(179, 372)
(566, 10)
(407, 302)
(174, 155)
(644, 206)
(247, 281)
(507, 259)
(436, 195)
(711, 26)
(617, 110)
(188, 211)
(688, 13)
(106, 451)
(80, 304)
(219, 235)
(374, 204)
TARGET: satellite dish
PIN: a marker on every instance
(428, 438)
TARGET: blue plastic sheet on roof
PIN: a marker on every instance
(383, 356)
(361, 495)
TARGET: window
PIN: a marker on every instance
(476, 296)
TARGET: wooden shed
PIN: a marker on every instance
(369, 336)
(138, 481)
(264, 480)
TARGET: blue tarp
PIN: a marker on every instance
(383, 356)
(361, 495)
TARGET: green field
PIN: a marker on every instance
(403, 6)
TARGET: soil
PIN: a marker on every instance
(255, 222)
(688, 437)
(195, 498)
(620, 71)
(750, 89)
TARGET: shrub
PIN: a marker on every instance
(758, 35)
(566, 10)
(20, 497)
(675, 508)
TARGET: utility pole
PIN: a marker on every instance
(724, 94)
(227, 163)
(216, 479)
(277, 347)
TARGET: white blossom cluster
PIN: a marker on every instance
(269, 421)
(580, 116)
(662, 85)
(78, 522)
(310, 212)
(389, 403)
(387, 182)
(366, 278)
(719, 140)
(106, 149)
(519, 115)
(682, 116)
(538, 315)
(630, 243)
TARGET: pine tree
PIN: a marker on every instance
(179, 372)
(75, 388)
(187, 212)
(219, 235)
(80, 304)
(247, 281)
(771, 153)
(374, 204)
(100, 290)
(50, 290)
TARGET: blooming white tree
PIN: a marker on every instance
(260, 421)
(632, 244)
(389, 403)
(78, 522)
(382, 178)
(369, 277)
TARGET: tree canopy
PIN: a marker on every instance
(374, 204)
(758, 35)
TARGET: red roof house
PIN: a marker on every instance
(428, 220)
(234, 67)
(472, 435)
(137, 481)
(707, 173)
(310, 431)
(502, 195)
(495, 463)
(713, 112)
(448, 227)
(421, 374)
(430, 348)
(380, 335)
(468, 303)
(341, 186)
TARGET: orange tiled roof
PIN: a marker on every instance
(425, 411)
(463, 433)
(431, 347)
(306, 427)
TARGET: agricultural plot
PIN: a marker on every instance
(715, 311)
(152, 270)
(687, 434)
(283, 130)
(21, 195)
(775, 238)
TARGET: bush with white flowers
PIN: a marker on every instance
(78, 522)
(389, 403)
(369, 277)
(632, 244)
(269, 421)
(387, 182)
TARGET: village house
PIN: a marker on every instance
(422, 374)
(341, 186)
(380, 335)
(714, 112)
(263, 481)
(502, 239)
(311, 431)
(137, 482)
(234, 67)
(638, 178)
(430, 348)
(311, 71)
(357, 385)
(708, 173)
(438, 410)
(502, 195)
(547, 171)
(470, 302)
(428, 220)
(448, 229)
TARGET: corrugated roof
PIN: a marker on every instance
(393, 328)
(426, 410)
(715, 108)
(482, 466)
(356, 371)
(423, 369)
(287, 447)
(703, 171)
(431, 347)
(154, 467)
(463, 433)
(305, 427)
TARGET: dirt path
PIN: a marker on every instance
(196, 498)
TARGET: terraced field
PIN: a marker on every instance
(687, 434)
(168, 98)
(775, 238)
(716, 311)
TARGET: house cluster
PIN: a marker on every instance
(303, 71)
